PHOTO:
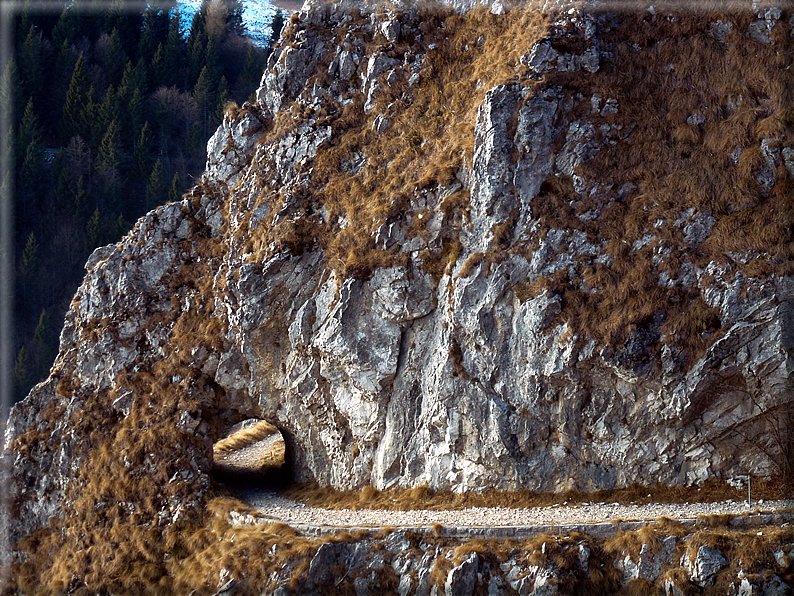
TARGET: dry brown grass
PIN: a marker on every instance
(631, 542)
(422, 497)
(678, 71)
(246, 436)
(109, 539)
(750, 551)
(429, 141)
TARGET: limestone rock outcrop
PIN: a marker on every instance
(469, 251)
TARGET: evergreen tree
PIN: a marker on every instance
(175, 193)
(276, 26)
(31, 166)
(22, 374)
(127, 22)
(155, 189)
(142, 76)
(29, 262)
(175, 54)
(109, 110)
(222, 98)
(109, 160)
(93, 232)
(31, 65)
(155, 32)
(197, 45)
(29, 132)
(196, 140)
(94, 126)
(135, 114)
(79, 197)
(30, 177)
(204, 98)
(130, 94)
(157, 69)
(40, 334)
(78, 97)
(127, 83)
(11, 91)
(44, 344)
(251, 74)
(121, 228)
(29, 265)
(212, 62)
(68, 29)
(234, 21)
(113, 59)
(63, 177)
(142, 158)
(64, 67)
(23, 23)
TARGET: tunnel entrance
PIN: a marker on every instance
(251, 454)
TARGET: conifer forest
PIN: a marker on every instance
(109, 114)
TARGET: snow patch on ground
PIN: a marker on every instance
(257, 16)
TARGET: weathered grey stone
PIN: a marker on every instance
(775, 587)
(787, 153)
(542, 58)
(492, 196)
(720, 29)
(706, 564)
(331, 557)
(579, 148)
(462, 580)
(771, 155)
(539, 582)
(672, 589)
(423, 582)
(759, 30)
(100, 254)
(380, 124)
(390, 30)
(648, 564)
(784, 559)
(399, 378)
(747, 588)
(496, 586)
(584, 556)
(498, 8)
(405, 586)
(232, 146)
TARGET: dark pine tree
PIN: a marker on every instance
(31, 65)
(78, 98)
(156, 192)
(114, 58)
(142, 158)
(175, 58)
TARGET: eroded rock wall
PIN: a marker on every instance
(400, 379)
(417, 330)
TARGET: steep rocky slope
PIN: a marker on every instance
(544, 247)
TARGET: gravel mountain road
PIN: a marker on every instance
(275, 506)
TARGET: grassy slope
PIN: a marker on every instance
(672, 164)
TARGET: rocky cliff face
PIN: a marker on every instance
(544, 249)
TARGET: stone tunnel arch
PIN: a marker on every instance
(251, 452)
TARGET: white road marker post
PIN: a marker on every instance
(749, 501)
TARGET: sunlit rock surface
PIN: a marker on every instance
(454, 357)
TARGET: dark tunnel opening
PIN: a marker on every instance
(251, 455)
